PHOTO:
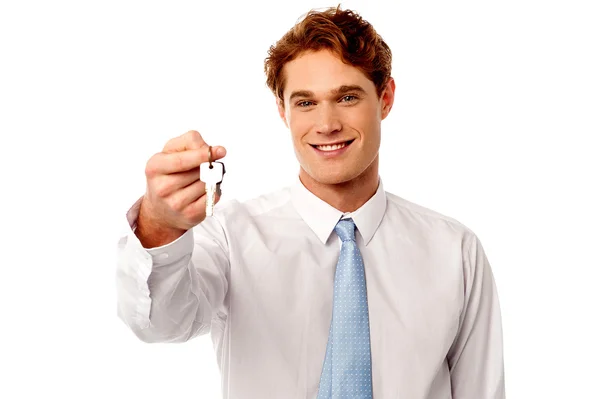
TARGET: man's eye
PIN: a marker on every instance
(304, 103)
(349, 98)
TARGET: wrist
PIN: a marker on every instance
(151, 231)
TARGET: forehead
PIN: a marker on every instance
(321, 71)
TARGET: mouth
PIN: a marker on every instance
(332, 146)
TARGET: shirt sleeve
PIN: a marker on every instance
(476, 359)
(169, 293)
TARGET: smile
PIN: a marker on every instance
(332, 147)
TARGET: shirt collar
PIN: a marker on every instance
(322, 217)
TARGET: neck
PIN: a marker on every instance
(347, 196)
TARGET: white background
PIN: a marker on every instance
(496, 123)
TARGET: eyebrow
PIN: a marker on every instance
(335, 92)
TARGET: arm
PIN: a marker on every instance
(476, 357)
(168, 293)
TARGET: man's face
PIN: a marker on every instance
(334, 114)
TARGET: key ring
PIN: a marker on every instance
(210, 157)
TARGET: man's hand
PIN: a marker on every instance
(175, 199)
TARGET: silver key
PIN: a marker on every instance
(211, 174)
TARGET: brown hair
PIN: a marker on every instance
(343, 32)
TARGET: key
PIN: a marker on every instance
(211, 174)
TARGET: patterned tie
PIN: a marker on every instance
(347, 367)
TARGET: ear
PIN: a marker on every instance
(281, 109)
(387, 98)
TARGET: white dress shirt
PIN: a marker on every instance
(259, 274)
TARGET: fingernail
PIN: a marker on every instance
(221, 151)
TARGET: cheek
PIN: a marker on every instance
(299, 126)
(364, 120)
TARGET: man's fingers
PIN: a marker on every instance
(167, 163)
(191, 140)
(165, 185)
(217, 152)
(184, 179)
(185, 196)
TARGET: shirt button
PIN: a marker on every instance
(163, 256)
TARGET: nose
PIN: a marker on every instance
(328, 121)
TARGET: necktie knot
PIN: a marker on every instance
(345, 230)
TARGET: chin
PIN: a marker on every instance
(323, 176)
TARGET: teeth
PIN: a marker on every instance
(331, 147)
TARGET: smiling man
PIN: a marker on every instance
(334, 111)
(329, 288)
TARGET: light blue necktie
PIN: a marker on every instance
(347, 367)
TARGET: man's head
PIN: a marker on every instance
(331, 75)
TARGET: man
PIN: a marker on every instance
(329, 288)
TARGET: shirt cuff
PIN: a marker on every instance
(175, 250)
